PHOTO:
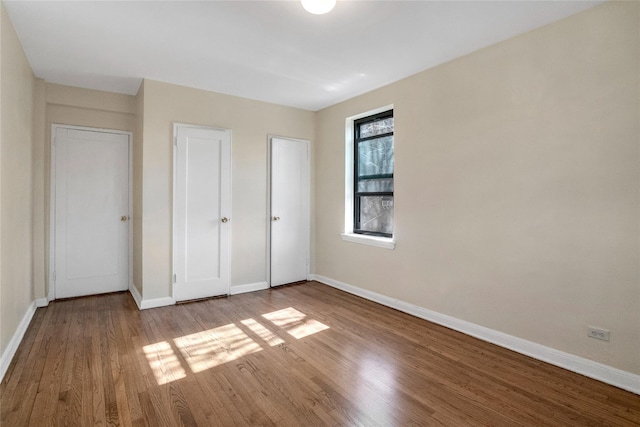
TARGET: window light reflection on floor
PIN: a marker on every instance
(294, 322)
(163, 362)
(266, 335)
(213, 347)
(376, 382)
(285, 317)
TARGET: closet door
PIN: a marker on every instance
(91, 211)
(290, 220)
(202, 206)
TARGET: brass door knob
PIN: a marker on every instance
(276, 218)
(123, 218)
(225, 219)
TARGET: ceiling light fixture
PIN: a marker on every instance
(318, 7)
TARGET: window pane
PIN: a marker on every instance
(375, 157)
(375, 185)
(376, 214)
(376, 128)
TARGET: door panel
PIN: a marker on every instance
(91, 212)
(289, 210)
(202, 202)
(202, 239)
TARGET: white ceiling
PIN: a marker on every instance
(266, 50)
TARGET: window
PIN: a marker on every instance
(373, 175)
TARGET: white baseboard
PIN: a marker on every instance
(157, 302)
(589, 368)
(144, 304)
(136, 295)
(249, 287)
(162, 302)
(10, 351)
(42, 302)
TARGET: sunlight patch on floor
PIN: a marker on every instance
(213, 347)
(163, 362)
(308, 327)
(268, 336)
(295, 322)
(285, 317)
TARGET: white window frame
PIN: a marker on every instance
(349, 235)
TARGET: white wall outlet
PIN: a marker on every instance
(601, 334)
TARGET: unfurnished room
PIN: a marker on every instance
(319, 212)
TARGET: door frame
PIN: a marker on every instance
(174, 226)
(52, 202)
(270, 138)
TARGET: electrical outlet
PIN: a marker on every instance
(601, 334)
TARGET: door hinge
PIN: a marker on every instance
(175, 278)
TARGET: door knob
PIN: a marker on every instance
(225, 219)
(276, 218)
(123, 218)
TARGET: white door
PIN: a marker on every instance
(202, 205)
(91, 211)
(290, 221)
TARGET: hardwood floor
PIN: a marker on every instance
(294, 356)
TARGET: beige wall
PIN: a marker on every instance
(40, 188)
(137, 190)
(3, 341)
(17, 115)
(517, 188)
(250, 122)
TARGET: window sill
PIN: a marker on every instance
(381, 242)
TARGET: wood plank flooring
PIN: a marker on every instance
(304, 355)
